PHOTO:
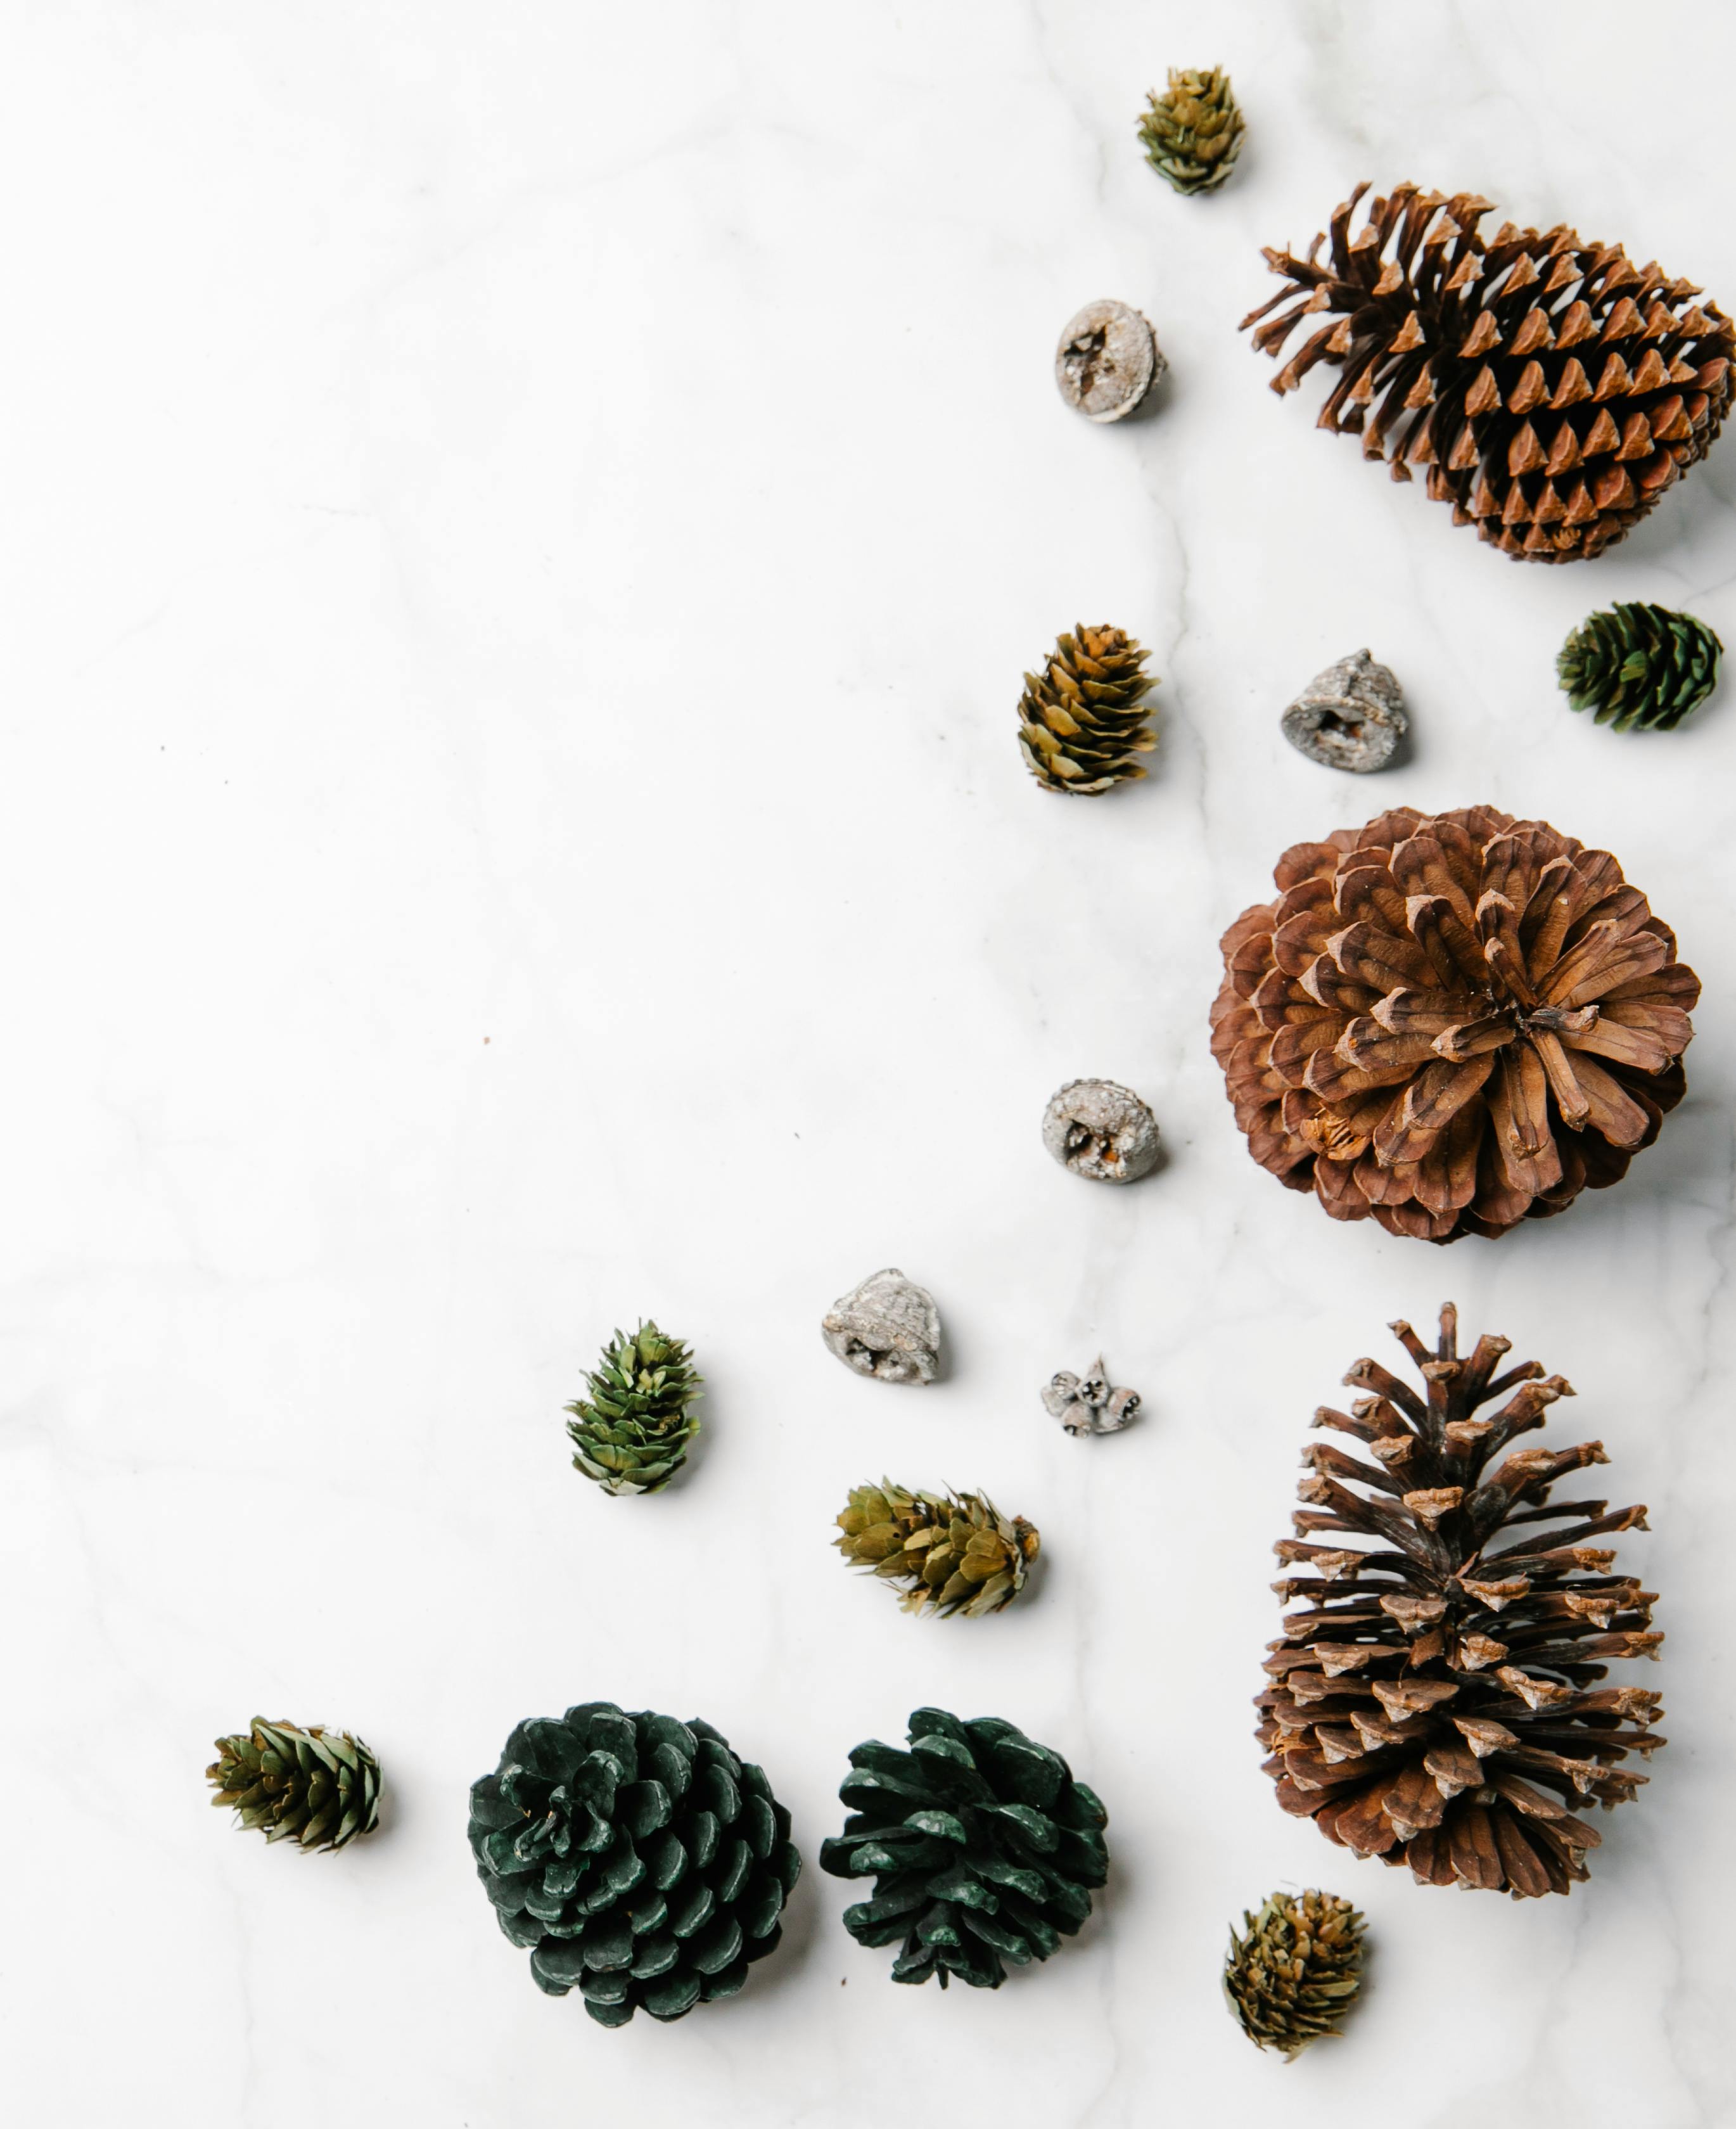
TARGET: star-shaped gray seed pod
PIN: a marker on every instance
(1088, 1404)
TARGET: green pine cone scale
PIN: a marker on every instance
(636, 1858)
(1639, 667)
(984, 1850)
(631, 1431)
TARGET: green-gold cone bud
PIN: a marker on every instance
(318, 1788)
(1638, 667)
(631, 1429)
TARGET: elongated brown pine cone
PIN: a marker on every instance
(1553, 389)
(1452, 1024)
(1435, 1701)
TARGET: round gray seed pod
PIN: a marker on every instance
(1108, 361)
(888, 1327)
(1100, 1130)
(1350, 717)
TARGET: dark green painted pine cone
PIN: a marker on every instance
(1292, 1976)
(1639, 667)
(1193, 131)
(631, 1429)
(318, 1788)
(635, 1857)
(982, 1847)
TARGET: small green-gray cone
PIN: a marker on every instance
(1638, 667)
(631, 1429)
(635, 1858)
(1193, 132)
(318, 1788)
(1293, 1974)
(984, 1850)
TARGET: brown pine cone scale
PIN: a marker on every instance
(1553, 389)
(1450, 1024)
(1435, 1700)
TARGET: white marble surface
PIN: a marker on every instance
(523, 526)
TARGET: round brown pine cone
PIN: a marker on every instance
(1452, 1024)
(1435, 1699)
(1553, 389)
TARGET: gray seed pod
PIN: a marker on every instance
(1100, 1130)
(888, 1327)
(1108, 361)
(1088, 1404)
(1350, 717)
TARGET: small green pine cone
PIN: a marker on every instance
(631, 1429)
(1639, 667)
(319, 1787)
(1292, 1976)
(950, 1552)
(1193, 131)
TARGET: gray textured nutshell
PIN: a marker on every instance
(1107, 361)
(1350, 717)
(1100, 1130)
(888, 1327)
(1088, 1404)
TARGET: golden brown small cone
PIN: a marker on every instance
(1080, 720)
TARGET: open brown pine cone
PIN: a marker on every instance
(1450, 1024)
(1435, 1698)
(1553, 390)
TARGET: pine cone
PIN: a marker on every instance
(952, 1552)
(1079, 722)
(319, 1787)
(636, 1858)
(1452, 1024)
(1553, 389)
(1436, 1693)
(631, 1431)
(982, 1846)
(1639, 666)
(1193, 131)
(1292, 1977)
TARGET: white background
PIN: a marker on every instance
(522, 526)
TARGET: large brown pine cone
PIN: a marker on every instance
(1553, 389)
(1452, 1024)
(1435, 1701)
